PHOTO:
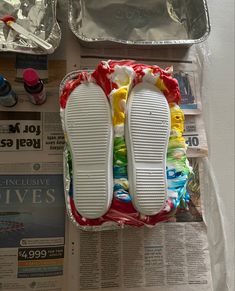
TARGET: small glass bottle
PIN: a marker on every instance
(34, 86)
(8, 97)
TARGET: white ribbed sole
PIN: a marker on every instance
(88, 124)
(147, 133)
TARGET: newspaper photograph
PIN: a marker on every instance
(170, 256)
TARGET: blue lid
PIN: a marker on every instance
(2, 81)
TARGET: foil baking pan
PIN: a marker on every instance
(149, 22)
(37, 17)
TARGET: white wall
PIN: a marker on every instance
(218, 89)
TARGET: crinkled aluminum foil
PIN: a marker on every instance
(149, 22)
(36, 16)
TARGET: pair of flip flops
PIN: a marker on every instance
(117, 123)
(88, 123)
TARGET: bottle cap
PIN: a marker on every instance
(2, 81)
(30, 77)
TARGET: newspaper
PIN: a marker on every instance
(32, 208)
(34, 131)
(195, 136)
(31, 228)
(170, 256)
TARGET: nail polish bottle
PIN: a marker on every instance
(8, 97)
(34, 86)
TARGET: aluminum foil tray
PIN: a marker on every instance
(149, 22)
(37, 17)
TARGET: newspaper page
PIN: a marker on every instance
(33, 131)
(32, 208)
(31, 228)
(195, 136)
(170, 256)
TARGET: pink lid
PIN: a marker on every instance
(30, 77)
